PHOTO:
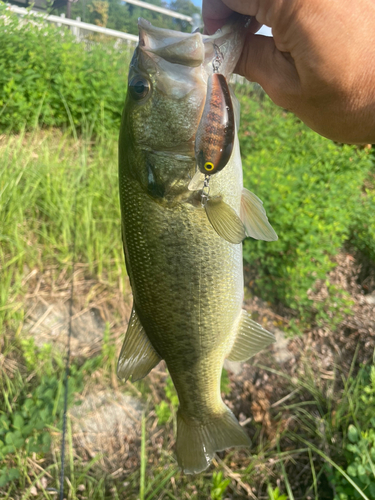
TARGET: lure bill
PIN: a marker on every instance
(184, 261)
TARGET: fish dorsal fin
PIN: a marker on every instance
(251, 338)
(254, 218)
(196, 182)
(137, 357)
(225, 221)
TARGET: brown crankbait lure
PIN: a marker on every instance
(215, 135)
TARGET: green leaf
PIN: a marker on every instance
(361, 471)
(18, 421)
(353, 434)
(8, 475)
(352, 470)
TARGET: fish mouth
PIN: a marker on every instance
(194, 49)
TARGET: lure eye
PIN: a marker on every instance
(139, 87)
(208, 166)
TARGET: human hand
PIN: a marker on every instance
(320, 63)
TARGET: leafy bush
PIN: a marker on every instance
(25, 428)
(311, 189)
(363, 228)
(47, 77)
(360, 444)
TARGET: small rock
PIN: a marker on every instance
(281, 351)
(42, 483)
(370, 299)
(233, 366)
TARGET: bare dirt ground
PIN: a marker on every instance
(108, 419)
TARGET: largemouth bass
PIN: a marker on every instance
(186, 274)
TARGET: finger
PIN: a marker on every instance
(275, 71)
(248, 7)
(268, 12)
(214, 13)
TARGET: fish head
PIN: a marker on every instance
(167, 87)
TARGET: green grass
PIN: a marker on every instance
(45, 178)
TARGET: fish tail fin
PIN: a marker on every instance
(197, 443)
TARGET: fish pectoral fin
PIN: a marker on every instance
(197, 443)
(254, 218)
(225, 221)
(137, 357)
(251, 338)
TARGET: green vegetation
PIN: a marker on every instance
(275, 494)
(25, 428)
(43, 179)
(46, 77)
(167, 407)
(359, 441)
(219, 486)
(363, 228)
(312, 191)
(319, 196)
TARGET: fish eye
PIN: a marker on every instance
(139, 87)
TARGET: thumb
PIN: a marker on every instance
(275, 71)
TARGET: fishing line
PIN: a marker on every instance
(67, 362)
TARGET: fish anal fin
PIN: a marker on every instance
(251, 338)
(137, 357)
(225, 221)
(197, 443)
(254, 218)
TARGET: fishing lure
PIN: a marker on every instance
(215, 135)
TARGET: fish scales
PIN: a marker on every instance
(187, 321)
(186, 276)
